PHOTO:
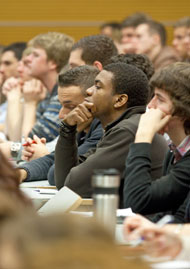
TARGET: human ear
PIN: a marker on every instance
(156, 39)
(98, 65)
(120, 100)
(52, 65)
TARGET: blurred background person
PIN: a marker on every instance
(60, 241)
(179, 35)
(150, 39)
(9, 59)
(128, 26)
(113, 30)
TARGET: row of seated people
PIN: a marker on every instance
(116, 94)
(138, 33)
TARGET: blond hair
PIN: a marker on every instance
(56, 45)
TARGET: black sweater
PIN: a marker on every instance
(167, 193)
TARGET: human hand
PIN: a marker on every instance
(33, 91)
(160, 243)
(128, 48)
(1, 79)
(133, 224)
(11, 87)
(84, 126)
(151, 122)
(81, 116)
(34, 150)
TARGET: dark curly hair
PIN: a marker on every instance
(140, 61)
(130, 80)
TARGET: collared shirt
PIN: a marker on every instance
(181, 150)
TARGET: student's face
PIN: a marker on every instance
(144, 41)
(69, 97)
(127, 34)
(75, 58)
(38, 63)
(101, 94)
(179, 41)
(23, 69)
(8, 65)
(187, 41)
(162, 101)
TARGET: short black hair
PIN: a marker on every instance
(96, 48)
(129, 80)
(141, 61)
(16, 48)
(135, 19)
(158, 28)
(112, 24)
(82, 76)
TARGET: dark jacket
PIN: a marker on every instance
(167, 193)
(43, 168)
(166, 56)
(110, 152)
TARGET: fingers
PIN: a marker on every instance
(81, 114)
(43, 140)
(27, 153)
(37, 139)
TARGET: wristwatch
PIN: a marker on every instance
(15, 149)
(66, 130)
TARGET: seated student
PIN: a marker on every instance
(45, 65)
(179, 34)
(117, 99)
(18, 94)
(72, 91)
(150, 39)
(168, 112)
(60, 241)
(9, 60)
(93, 50)
(41, 149)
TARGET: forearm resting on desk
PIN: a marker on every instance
(22, 175)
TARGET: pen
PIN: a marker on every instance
(28, 144)
(45, 192)
(164, 220)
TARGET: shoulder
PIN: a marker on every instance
(130, 124)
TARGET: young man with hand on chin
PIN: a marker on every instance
(118, 98)
(169, 112)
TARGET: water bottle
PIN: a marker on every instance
(105, 185)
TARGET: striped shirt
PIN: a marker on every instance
(47, 117)
(182, 149)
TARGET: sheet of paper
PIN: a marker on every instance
(36, 184)
(172, 265)
(63, 201)
(125, 212)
